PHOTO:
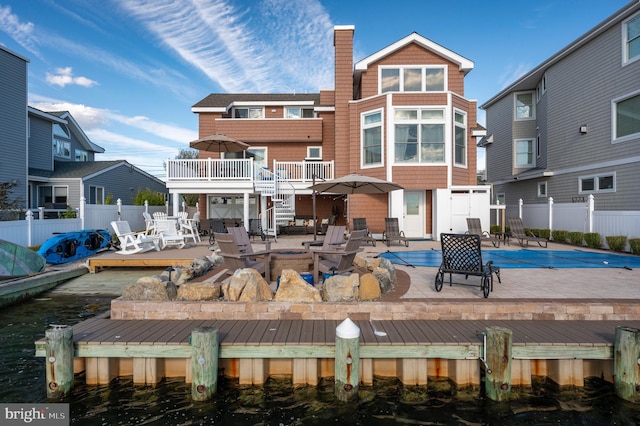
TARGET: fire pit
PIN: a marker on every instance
(298, 260)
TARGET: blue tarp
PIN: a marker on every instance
(524, 258)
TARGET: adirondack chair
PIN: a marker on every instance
(360, 223)
(337, 261)
(133, 242)
(333, 238)
(516, 230)
(169, 235)
(474, 227)
(392, 232)
(461, 254)
(242, 239)
(149, 224)
(189, 227)
(234, 259)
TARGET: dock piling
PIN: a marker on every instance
(347, 362)
(204, 363)
(626, 363)
(498, 344)
(59, 359)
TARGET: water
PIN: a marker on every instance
(22, 379)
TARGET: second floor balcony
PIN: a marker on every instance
(243, 172)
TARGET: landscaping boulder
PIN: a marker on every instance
(146, 288)
(293, 288)
(246, 285)
(383, 275)
(369, 287)
(199, 291)
(340, 288)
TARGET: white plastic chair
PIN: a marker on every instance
(133, 242)
(189, 227)
(168, 233)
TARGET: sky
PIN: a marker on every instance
(129, 71)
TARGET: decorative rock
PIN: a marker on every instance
(201, 265)
(199, 291)
(172, 290)
(233, 288)
(295, 289)
(256, 288)
(360, 262)
(147, 288)
(384, 279)
(340, 288)
(388, 265)
(369, 287)
(374, 263)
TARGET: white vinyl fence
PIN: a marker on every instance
(35, 229)
(580, 217)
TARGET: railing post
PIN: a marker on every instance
(81, 213)
(520, 203)
(590, 204)
(29, 218)
(146, 206)
(550, 213)
(119, 204)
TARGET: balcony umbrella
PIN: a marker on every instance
(220, 143)
(352, 184)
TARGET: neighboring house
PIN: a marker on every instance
(571, 126)
(47, 158)
(399, 115)
(13, 124)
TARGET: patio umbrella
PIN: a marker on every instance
(352, 184)
(220, 143)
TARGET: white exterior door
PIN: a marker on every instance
(414, 214)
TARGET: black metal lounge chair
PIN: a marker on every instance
(392, 232)
(216, 226)
(516, 229)
(474, 226)
(461, 254)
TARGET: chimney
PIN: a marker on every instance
(343, 43)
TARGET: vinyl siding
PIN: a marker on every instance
(13, 123)
(500, 153)
(40, 143)
(119, 182)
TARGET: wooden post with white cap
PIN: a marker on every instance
(347, 361)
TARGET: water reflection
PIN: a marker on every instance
(278, 403)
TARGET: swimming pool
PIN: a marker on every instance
(524, 258)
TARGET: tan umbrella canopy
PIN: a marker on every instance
(352, 184)
(220, 143)
(356, 184)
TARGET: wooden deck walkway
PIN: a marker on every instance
(566, 351)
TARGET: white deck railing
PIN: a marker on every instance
(213, 169)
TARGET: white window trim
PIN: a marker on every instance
(309, 148)
(248, 108)
(515, 104)
(447, 117)
(614, 104)
(595, 177)
(364, 165)
(301, 108)
(401, 69)
(466, 141)
(625, 54)
(515, 153)
(546, 189)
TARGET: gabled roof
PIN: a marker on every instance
(464, 64)
(84, 169)
(77, 130)
(222, 102)
(530, 80)
(46, 115)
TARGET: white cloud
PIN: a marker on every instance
(64, 76)
(22, 32)
(512, 73)
(165, 131)
(279, 44)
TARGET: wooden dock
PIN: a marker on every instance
(252, 350)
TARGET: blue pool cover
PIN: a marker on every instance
(524, 258)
